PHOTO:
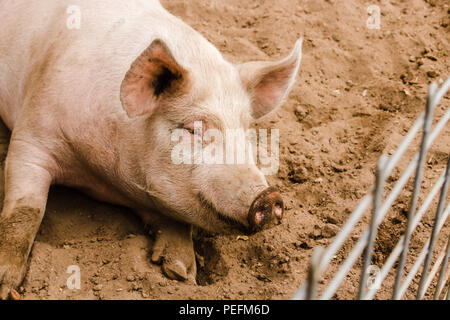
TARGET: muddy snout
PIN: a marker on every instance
(266, 210)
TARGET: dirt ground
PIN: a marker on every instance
(357, 94)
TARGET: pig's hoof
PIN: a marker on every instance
(10, 278)
(177, 270)
(177, 257)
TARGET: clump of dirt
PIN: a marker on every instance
(211, 268)
(358, 92)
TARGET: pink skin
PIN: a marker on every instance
(98, 116)
(259, 216)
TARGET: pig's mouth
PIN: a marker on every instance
(208, 205)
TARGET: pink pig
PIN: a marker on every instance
(94, 107)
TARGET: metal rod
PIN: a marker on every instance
(377, 198)
(440, 209)
(435, 269)
(314, 273)
(348, 226)
(440, 283)
(345, 268)
(359, 211)
(417, 182)
(359, 246)
(420, 259)
(395, 253)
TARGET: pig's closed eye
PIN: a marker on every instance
(196, 128)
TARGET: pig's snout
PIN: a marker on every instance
(267, 209)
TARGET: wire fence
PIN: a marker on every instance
(371, 278)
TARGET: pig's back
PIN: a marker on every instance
(80, 67)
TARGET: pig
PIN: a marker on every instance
(92, 106)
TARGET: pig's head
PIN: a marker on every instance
(162, 94)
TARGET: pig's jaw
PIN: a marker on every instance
(229, 221)
(212, 219)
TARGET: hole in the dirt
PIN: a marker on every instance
(210, 265)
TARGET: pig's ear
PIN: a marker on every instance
(154, 76)
(269, 83)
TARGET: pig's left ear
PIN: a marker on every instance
(153, 77)
(269, 83)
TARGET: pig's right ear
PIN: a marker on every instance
(269, 83)
(154, 76)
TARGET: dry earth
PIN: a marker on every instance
(357, 94)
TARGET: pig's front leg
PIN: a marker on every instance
(173, 246)
(26, 190)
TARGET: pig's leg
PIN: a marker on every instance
(173, 246)
(26, 189)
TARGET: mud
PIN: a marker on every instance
(358, 92)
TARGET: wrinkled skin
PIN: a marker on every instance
(95, 108)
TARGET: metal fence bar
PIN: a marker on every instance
(359, 211)
(359, 247)
(417, 183)
(314, 273)
(440, 283)
(398, 248)
(434, 270)
(345, 268)
(377, 198)
(425, 119)
(420, 259)
(440, 208)
(347, 228)
(440, 93)
(356, 251)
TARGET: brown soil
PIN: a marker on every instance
(358, 93)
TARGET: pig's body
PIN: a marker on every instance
(82, 117)
(81, 71)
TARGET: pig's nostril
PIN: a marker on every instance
(265, 209)
(278, 210)
(259, 217)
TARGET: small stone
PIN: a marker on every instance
(137, 287)
(432, 74)
(349, 83)
(131, 278)
(98, 287)
(14, 295)
(335, 38)
(331, 219)
(330, 230)
(300, 113)
(336, 92)
(316, 233)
